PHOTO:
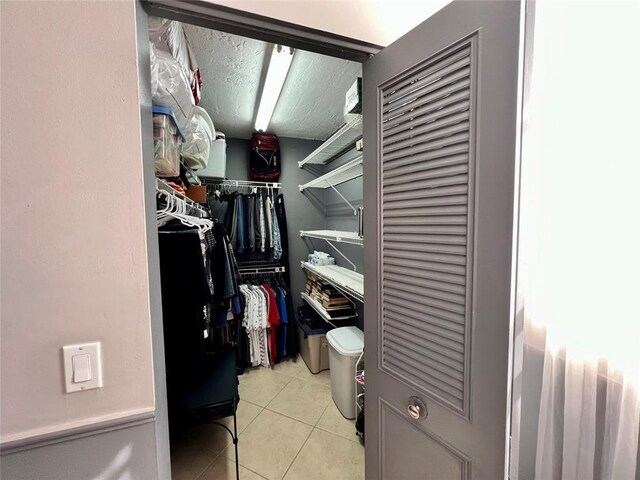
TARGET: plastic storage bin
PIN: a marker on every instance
(345, 346)
(313, 347)
(217, 166)
(167, 138)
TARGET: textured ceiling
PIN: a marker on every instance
(311, 101)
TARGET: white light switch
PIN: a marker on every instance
(82, 367)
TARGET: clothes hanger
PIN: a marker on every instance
(178, 209)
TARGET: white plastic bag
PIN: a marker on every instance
(198, 135)
(170, 88)
(169, 36)
(154, 69)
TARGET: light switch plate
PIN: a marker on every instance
(95, 366)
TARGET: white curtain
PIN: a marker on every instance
(580, 236)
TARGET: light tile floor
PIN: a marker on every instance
(289, 428)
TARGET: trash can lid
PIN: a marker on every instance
(346, 340)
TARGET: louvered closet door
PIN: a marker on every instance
(440, 126)
(427, 225)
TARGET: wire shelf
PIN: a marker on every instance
(344, 173)
(334, 235)
(336, 143)
(346, 281)
(320, 310)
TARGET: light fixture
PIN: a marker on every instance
(276, 74)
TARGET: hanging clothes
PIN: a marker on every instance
(268, 322)
(262, 223)
(259, 227)
(281, 216)
(274, 321)
(251, 230)
(277, 245)
(284, 322)
(255, 224)
(269, 224)
(186, 293)
(255, 323)
(218, 206)
(241, 223)
(232, 219)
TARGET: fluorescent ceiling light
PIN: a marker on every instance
(276, 74)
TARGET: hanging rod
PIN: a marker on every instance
(250, 270)
(163, 186)
(240, 183)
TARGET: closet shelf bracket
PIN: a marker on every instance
(353, 265)
(355, 210)
(344, 173)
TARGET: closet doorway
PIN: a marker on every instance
(441, 127)
(284, 261)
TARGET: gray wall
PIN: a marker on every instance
(125, 453)
(340, 217)
(315, 209)
(304, 212)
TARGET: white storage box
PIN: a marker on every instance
(313, 348)
(345, 346)
(217, 166)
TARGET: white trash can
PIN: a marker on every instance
(345, 346)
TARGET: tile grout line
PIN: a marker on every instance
(322, 414)
(313, 382)
(329, 431)
(254, 404)
(239, 433)
(215, 458)
(222, 453)
(340, 436)
(292, 418)
(265, 478)
(281, 390)
(297, 454)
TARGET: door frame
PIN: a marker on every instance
(516, 353)
(250, 25)
(259, 27)
(229, 20)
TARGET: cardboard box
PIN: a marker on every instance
(353, 98)
(197, 193)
